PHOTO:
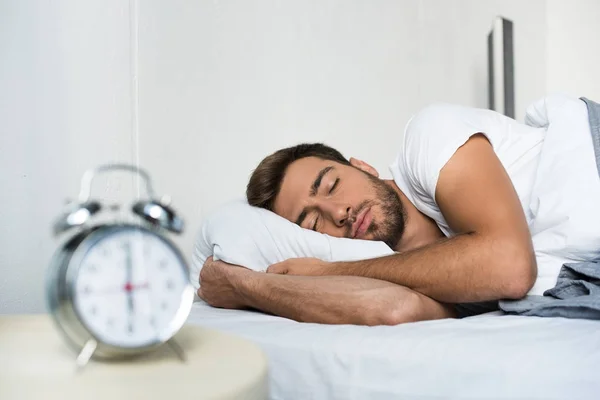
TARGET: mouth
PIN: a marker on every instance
(362, 223)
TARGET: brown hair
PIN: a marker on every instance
(265, 182)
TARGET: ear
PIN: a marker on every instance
(363, 166)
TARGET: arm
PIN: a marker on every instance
(324, 299)
(490, 258)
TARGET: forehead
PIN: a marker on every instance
(296, 184)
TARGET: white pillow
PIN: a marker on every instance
(256, 238)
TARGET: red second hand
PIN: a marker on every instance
(130, 287)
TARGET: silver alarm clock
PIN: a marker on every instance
(118, 288)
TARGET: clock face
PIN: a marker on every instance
(129, 288)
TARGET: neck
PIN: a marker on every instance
(419, 229)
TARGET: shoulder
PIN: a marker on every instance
(441, 127)
(444, 119)
(434, 134)
(430, 129)
(435, 110)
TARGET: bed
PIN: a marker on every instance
(491, 356)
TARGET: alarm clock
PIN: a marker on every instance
(120, 287)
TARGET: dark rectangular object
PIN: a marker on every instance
(501, 68)
(509, 68)
(491, 71)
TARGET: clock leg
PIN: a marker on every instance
(177, 349)
(86, 353)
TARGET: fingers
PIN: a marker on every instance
(279, 268)
(208, 262)
(219, 263)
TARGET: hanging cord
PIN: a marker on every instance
(134, 93)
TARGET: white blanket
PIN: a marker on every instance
(566, 196)
(485, 357)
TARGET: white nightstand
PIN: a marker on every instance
(35, 363)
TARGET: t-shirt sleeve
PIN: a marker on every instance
(431, 139)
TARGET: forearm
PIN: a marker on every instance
(466, 268)
(337, 300)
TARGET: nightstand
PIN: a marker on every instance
(36, 363)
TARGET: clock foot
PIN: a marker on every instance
(86, 353)
(177, 350)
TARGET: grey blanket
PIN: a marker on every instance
(577, 292)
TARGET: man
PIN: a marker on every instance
(458, 213)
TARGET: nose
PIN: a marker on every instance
(339, 212)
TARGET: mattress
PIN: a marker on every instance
(492, 356)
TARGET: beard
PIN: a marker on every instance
(389, 228)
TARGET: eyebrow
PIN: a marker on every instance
(313, 191)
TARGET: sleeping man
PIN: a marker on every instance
(480, 208)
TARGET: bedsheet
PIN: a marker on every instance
(491, 356)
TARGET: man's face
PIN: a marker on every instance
(341, 201)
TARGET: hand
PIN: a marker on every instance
(217, 284)
(302, 266)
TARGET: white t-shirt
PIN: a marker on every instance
(432, 137)
(550, 163)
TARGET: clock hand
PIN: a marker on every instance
(129, 287)
(116, 289)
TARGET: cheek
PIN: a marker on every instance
(356, 194)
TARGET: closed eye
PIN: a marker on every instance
(334, 186)
(314, 228)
